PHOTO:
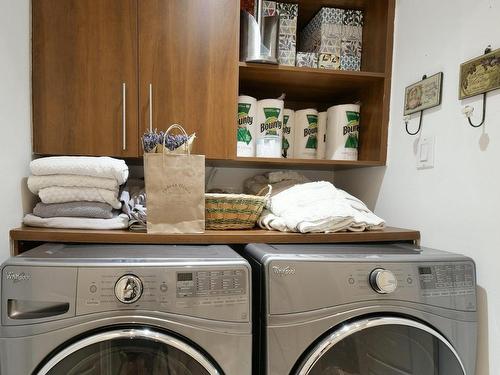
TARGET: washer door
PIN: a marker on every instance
(383, 346)
(129, 352)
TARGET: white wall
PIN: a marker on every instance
(456, 205)
(15, 115)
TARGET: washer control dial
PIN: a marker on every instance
(128, 289)
(383, 281)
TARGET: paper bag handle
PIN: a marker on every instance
(178, 127)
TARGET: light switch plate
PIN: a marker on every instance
(425, 154)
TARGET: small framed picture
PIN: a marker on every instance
(424, 94)
(480, 75)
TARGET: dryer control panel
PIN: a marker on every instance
(450, 285)
(450, 279)
(192, 291)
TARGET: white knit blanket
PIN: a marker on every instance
(81, 165)
(317, 207)
(118, 222)
(36, 183)
(56, 194)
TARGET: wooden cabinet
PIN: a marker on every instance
(188, 64)
(178, 60)
(85, 77)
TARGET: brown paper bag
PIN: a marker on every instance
(175, 190)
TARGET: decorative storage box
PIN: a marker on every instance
(268, 8)
(336, 34)
(287, 33)
(328, 61)
(352, 38)
(324, 34)
(308, 59)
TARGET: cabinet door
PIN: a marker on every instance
(85, 77)
(188, 63)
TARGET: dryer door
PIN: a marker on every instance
(127, 352)
(383, 346)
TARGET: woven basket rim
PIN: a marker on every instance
(234, 196)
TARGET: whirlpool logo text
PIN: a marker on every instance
(283, 270)
(17, 277)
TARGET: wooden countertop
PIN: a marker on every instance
(29, 234)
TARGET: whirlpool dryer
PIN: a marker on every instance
(123, 309)
(363, 310)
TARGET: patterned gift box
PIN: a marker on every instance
(328, 61)
(287, 33)
(353, 18)
(350, 58)
(324, 33)
(268, 8)
(352, 38)
(308, 59)
(288, 10)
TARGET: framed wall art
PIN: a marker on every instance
(480, 75)
(423, 94)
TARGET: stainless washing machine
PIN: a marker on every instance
(363, 310)
(124, 309)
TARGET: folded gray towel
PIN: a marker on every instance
(95, 210)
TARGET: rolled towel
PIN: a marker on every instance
(117, 222)
(36, 183)
(81, 165)
(94, 210)
(71, 194)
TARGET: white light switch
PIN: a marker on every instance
(425, 157)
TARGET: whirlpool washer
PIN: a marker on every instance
(383, 309)
(123, 309)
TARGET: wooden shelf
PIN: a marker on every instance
(22, 237)
(294, 163)
(305, 84)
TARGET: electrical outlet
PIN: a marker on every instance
(425, 154)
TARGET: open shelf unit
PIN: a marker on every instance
(25, 238)
(322, 88)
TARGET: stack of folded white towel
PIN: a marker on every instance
(77, 192)
(311, 206)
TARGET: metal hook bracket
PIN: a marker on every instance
(419, 125)
(483, 117)
(419, 121)
(468, 112)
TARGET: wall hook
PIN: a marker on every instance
(407, 119)
(468, 110)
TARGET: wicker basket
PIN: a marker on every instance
(233, 211)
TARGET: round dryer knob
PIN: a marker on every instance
(383, 281)
(128, 289)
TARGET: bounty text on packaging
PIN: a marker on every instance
(342, 132)
(247, 109)
(269, 128)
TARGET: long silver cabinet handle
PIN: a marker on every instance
(150, 107)
(124, 116)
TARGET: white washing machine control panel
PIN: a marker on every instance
(203, 292)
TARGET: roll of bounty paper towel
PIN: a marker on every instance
(342, 132)
(269, 128)
(306, 134)
(288, 133)
(320, 151)
(246, 133)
